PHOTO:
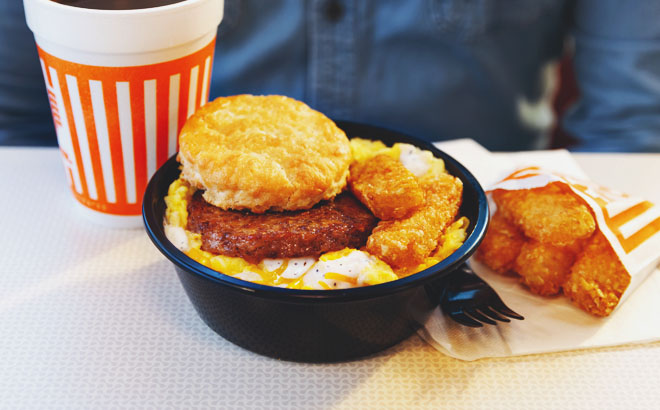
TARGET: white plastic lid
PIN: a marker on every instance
(123, 31)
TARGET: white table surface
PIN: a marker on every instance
(96, 318)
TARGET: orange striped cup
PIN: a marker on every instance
(121, 84)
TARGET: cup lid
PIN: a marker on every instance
(123, 31)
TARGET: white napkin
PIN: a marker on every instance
(551, 324)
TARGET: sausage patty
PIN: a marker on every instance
(329, 226)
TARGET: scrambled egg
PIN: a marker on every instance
(416, 160)
(334, 270)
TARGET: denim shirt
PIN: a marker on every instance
(437, 69)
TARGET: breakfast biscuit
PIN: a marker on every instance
(263, 153)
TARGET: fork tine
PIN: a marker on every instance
(492, 313)
(480, 317)
(477, 315)
(499, 307)
(469, 300)
(465, 320)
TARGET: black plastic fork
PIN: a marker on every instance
(470, 301)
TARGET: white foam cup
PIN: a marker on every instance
(121, 83)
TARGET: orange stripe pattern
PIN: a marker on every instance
(111, 143)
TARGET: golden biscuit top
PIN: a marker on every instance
(263, 152)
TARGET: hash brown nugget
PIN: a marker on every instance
(407, 242)
(386, 187)
(544, 267)
(501, 245)
(597, 279)
(547, 214)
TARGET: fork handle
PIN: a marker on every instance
(457, 285)
(460, 277)
(463, 277)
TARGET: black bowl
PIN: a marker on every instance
(317, 325)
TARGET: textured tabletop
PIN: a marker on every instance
(96, 318)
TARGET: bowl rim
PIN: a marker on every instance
(156, 233)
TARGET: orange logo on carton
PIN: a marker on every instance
(523, 173)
